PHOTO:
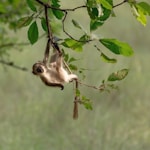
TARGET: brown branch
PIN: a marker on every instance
(11, 64)
(60, 9)
(63, 26)
(65, 16)
(120, 3)
(50, 40)
(49, 34)
(73, 9)
(13, 44)
(90, 86)
(100, 88)
(42, 3)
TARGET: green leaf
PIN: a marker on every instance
(88, 106)
(76, 24)
(141, 17)
(145, 7)
(85, 38)
(117, 47)
(25, 21)
(73, 67)
(31, 5)
(86, 102)
(139, 14)
(44, 25)
(58, 14)
(94, 24)
(106, 4)
(56, 3)
(78, 92)
(93, 12)
(106, 12)
(92, 8)
(140, 11)
(105, 15)
(91, 3)
(66, 57)
(99, 13)
(2, 8)
(72, 59)
(33, 33)
(75, 45)
(107, 59)
(119, 75)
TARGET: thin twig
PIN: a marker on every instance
(120, 3)
(66, 65)
(64, 18)
(63, 26)
(42, 3)
(13, 44)
(91, 86)
(60, 9)
(11, 64)
(50, 37)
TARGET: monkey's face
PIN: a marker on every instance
(38, 68)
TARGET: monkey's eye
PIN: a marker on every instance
(39, 70)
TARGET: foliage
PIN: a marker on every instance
(99, 12)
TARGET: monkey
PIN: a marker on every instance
(53, 74)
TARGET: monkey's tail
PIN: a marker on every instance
(75, 109)
(76, 100)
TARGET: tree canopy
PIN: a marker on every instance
(51, 15)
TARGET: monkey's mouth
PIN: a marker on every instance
(37, 69)
(33, 72)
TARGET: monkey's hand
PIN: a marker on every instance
(72, 77)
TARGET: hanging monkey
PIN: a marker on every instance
(53, 74)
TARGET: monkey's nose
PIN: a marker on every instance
(33, 72)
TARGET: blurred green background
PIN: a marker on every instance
(36, 117)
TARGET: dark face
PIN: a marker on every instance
(37, 69)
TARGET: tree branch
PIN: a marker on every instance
(60, 9)
(120, 3)
(100, 88)
(13, 44)
(11, 64)
(50, 40)
(63, 24)
(65, 16)
(49, 34)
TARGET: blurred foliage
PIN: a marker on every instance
(37, 117)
